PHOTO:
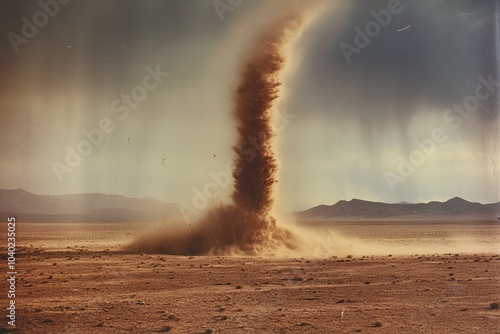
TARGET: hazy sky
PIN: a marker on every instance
(347, 122)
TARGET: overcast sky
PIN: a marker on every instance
(348, 118)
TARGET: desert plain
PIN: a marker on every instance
(377, 277)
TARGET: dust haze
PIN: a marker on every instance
(247, 226)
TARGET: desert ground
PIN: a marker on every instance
(419, 277)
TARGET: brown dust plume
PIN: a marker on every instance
(244, 227)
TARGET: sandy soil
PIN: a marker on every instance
(70, 285)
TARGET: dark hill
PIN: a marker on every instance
(367, 209)
(92, 206)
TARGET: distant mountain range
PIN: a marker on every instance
(366, 209)
(82, 207)
(102, 207)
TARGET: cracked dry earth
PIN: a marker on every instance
(91, 289)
